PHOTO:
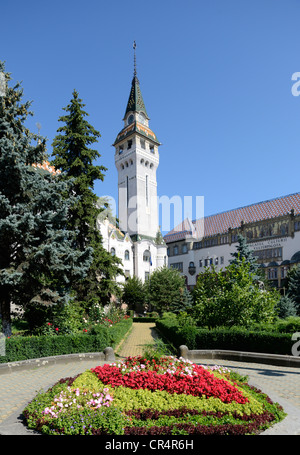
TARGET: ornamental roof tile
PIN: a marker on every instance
(135, 101)
(221, 222)
(136, 127)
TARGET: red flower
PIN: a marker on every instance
(56, 329)
(204, 383)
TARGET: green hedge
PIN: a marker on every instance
(32, 347)
(236, 339)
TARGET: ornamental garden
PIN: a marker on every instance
(59, 295)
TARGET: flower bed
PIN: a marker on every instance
(146, 397)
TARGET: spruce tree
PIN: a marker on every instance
(244, 253)
(38, 262)
(74, 157)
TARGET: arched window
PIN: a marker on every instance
(113, 251)
(146, 256)
(126, 255)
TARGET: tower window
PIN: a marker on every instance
(129, 144)
(146, 256)
(152, 148)
(126, 255)
(120, 149)
(143, 144)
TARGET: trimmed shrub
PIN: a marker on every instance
(235, 338)
(32, 347)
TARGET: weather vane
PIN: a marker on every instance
(134, 47)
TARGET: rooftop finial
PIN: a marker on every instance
(134, 47)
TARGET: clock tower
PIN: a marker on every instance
(137, 159)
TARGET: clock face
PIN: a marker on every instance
(130, 119)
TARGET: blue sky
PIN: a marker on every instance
(216, 78)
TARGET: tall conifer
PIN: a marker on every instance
(74, 157)
(38, 261)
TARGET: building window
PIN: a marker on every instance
(184, 249)
(129, 144)
(146, 256)
(284, 271)
(217, 261)
(127, 274)
(147, 276)
(297, 226)
(113, 251)
(175, 250)
(152, 148)
(177, 266)
(168, 251)
(201, 263)
(143, 144)
(120, 149)
(197, 245)
(126, 255)
(270, 253)
(272, 274)
(222, 260)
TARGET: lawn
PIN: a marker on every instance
(150, 396)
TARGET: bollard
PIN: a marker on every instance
(183, 351)
(109, 354)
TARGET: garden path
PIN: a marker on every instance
(140, 335)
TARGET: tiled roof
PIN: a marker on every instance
(221, 222)
(135, 101)
(136, 127)
(47, 167)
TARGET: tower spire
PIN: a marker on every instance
(134, 59)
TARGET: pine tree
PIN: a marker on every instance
(37, 260)
(243, 251)
(75, 159)
(286, 307)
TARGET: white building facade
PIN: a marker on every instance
(272, 230)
